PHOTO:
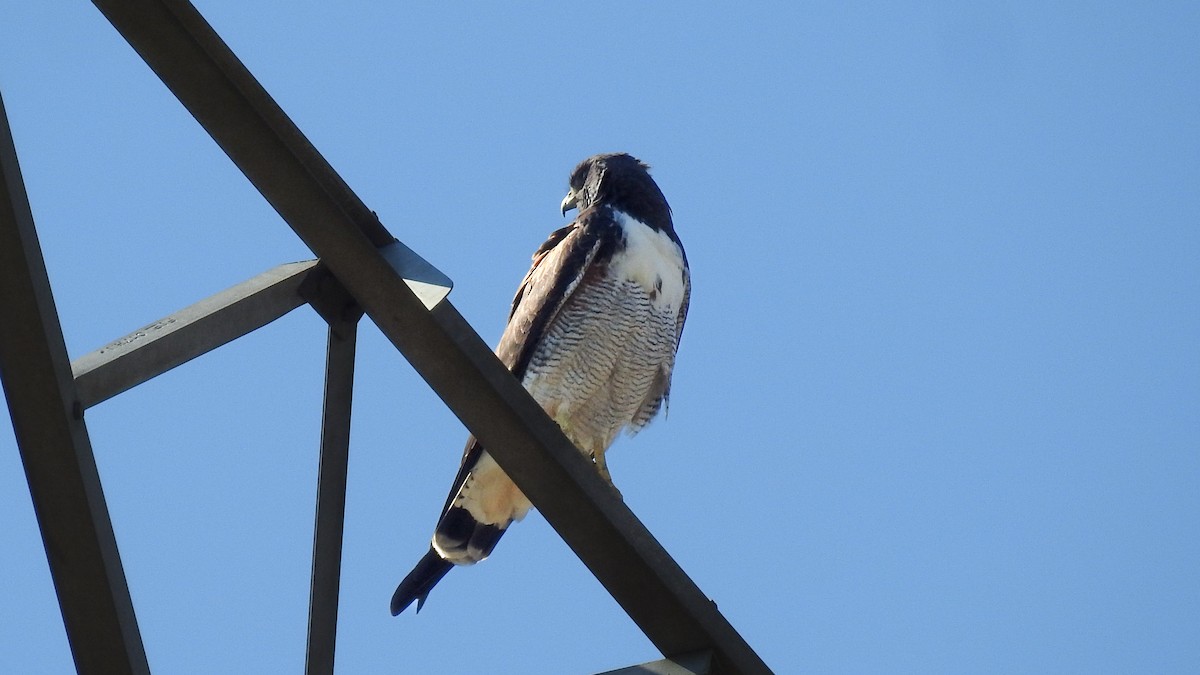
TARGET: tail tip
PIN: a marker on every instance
(401, 602)
(419, 582)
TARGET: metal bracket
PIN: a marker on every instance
(696, 663)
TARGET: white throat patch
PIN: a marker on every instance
(651, 259)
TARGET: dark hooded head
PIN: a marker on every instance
(622, 182)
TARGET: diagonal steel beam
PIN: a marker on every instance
(201, 327)
(55, 449)
(249, 126)
(195, 330)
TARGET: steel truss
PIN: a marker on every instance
(362, 268)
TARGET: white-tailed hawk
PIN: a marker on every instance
(592, 335)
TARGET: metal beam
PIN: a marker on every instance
(249, 126)
(55, 449)
(331, 498)
(200, 328)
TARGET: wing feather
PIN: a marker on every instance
(660, 392)
(559, 264)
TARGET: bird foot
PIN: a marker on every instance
(602, 469)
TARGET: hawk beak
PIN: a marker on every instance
(569, 202)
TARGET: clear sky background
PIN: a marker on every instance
(937, 405)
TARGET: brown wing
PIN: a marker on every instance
(556, 273)
(559, 265)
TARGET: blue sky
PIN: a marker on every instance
(937, 406)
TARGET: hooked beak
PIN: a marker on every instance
(569, 202)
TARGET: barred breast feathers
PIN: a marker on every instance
(605, 362)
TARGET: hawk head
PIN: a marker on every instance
(622, 182)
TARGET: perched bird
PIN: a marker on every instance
(592, 336)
